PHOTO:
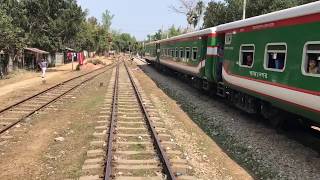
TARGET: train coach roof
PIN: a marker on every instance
(152, 42)
(188, 35)
(298, 11)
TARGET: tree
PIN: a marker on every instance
(93, 20)
(192, 9)
(107, 20)
(173, 31)
(86, 39)
(52, 25)
(9, 33)
(94, 36)
(123, 42)
(158, 35)
(220, 12)
(12, 35)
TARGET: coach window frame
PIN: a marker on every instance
(193, 51)
(246, 51)
(176, 53)
(181, 53)
(187, 51)
(266, 51)
(305, 62)
(228, 38)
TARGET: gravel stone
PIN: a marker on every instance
(267, 154)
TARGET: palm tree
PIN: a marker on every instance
(192, 10)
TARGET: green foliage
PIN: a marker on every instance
(10, 18)
(220, 12)
(173, 31)
(56, 24)
(107, 19)
(158, 35)
(53, 25)
(123, 42)
(193, 9)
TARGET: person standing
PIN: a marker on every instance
(43, 65)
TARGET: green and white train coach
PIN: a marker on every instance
(267, 64)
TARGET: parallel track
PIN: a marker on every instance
(132, 133)
(13, 114)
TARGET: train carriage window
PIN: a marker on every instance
(194, 53)
(311, 59)
(187, 53)
(172, 53)
(246, 57)
(275, 56)
(181, 53)
(228, 38)
(177, 53)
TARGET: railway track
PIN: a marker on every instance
(13, 114)
(132, 142)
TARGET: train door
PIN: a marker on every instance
(214, 58)
(203, 56)
(220, 56)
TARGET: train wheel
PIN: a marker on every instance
(304, 123)
(277, 121)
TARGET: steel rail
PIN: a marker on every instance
(163, 157)
(114, 114)
(51, 88)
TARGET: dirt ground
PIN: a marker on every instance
(33, 152)
(22, 84)
(207, 158)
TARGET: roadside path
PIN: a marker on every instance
(34, 80)
(27, 83)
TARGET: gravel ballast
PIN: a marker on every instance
(257, 147)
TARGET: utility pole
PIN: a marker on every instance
(244, 9)
(72, 60)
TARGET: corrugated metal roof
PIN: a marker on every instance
(36, 50)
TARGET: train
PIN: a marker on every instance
(267, 65)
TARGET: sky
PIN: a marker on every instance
(137, 17)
